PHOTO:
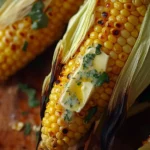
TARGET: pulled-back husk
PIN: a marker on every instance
(78, 26)
(14, 10)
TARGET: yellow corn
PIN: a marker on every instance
(146, 145)
(19, 43)
(116, 28)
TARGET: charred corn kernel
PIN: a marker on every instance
(116, 31)
(20, 38)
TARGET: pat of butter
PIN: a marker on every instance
(76, 95)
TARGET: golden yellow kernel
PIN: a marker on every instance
(54, 127)
(123, 56)
(88, 42)
(119, 63)
(118, 5)
(135, 33)
(128, 26)
(122, 19)
(133, 19)
(59, 135)
(60, 142)
(108, 44)
(113, 55)
(142, 10)
(112, 18)
(125, 12)
(127, 48)
(131, 41)
(117, 48)
(105, 30)
(93, 35)
(97, 41)
(114, 12)
(137, 2)
(125, 33)
(121, 41)
(112, 38)
(66, 5)
(66, 139)
(102, 37)
(135, 13)
(2, 58)
(53, 118)
(97, 28)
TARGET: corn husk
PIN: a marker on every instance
(78, 26)
(134, 77)
(15, 10)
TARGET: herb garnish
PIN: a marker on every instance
(68, 115)
(27, 129)
(25, 46)
(38, 17)
(32, 101)
(72, 100)
(98, 49)
(87, 60)
(90, 114)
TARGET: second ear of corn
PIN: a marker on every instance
(116, 28)
(19, 43)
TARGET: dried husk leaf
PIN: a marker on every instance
(77, 30)
(135, 76)
(78, 26)
(16, 10)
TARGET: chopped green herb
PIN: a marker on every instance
(79, 83)
(102, 79)
(25, 46)
(37, 134)
(32, 101)
(87, 60)
(72, 100)
(98, 49)
(90, 114)
(24, 113)
(1, 3)
(68, 115)
(27, 129)
(38, 17)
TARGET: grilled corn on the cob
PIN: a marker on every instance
(21, 41)
(114, 31)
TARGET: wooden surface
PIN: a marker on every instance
(13, 102)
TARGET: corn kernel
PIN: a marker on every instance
(131, 41)
(121, 41)
(127, 48)
(125, 33)
(119, 63)
(142, 10)
(135, 33)
(123, 56)
(129, 26)
(121, 19)
(108, 44)
(125, 12)
(113, 55)
(118, 5)
(133, 19)
(114, 12)
(112, 38)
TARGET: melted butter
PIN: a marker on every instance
(78, 90)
